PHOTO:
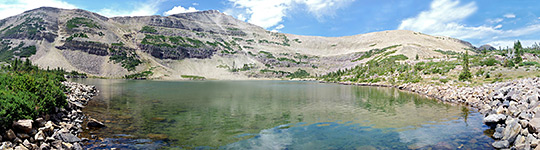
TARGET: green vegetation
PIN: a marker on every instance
(518, 52)
(80, 21)
(140, 75)
(176, 41)
(297, 40)
(27, 92)
(7, 53)
(298, 74)
(117, 44)
(245, 67)
(373, 52)
(192, 77)
(128, 60)
(81, 35)
(465, 73)
(30, 26)
(148, 29)
(268, 54)
(447, 52)
(233, 29)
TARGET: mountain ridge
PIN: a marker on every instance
(208, 43)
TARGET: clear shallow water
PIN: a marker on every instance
(275, 115)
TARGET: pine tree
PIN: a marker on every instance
(465, 73)
(518, 49)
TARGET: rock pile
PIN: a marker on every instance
(511, 108)
(52, 131)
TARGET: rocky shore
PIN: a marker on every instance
(510, 108)
(58, 130)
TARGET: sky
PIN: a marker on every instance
(494, 22)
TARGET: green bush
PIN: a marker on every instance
(148, 29)
(26, 92)
(79, 21)
(298, 74)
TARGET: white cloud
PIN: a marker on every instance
(195, 4)
(280, 26)
(510, 43)
(510, 15)
(538, 17)
(13, 7)
(137, 9)
(496, 20)
(445, 16)
(269, 13)
(179, 9)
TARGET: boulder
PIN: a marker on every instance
(40, 122)
(68, 137)
(20, 147)
(44, 146)
(511, 130)
(494, 118)
(10, 135)
(23, 125)
(27, 144)
(501, 144)
(40, 136)
(94, 123)
(534, 125)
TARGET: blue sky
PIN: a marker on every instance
(495, 22)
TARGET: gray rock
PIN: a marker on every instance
(23, 135)
(10, 135)
(27, 144)
(40, 136)
(45, 146)
(512, 130)
(497, 135)
(501, 144)
(77, 146)
(534, 125)
(494, 118)
(506, 103)
(20, 147)
(94, 123)
(520, 140)
(68, 137)
(23, 125)
(40, 122)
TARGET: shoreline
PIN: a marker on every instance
(58, 130)
(508, 107)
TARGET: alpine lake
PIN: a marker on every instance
(143, 114)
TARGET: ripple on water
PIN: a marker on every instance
(275, 114)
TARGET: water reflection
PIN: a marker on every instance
(251, 113)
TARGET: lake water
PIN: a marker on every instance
(275, 115)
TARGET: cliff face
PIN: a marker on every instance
(206, 43)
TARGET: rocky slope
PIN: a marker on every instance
(209, 44)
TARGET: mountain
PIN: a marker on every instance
(208, 44)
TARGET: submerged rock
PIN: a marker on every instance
(94, 123)
(501, 144)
